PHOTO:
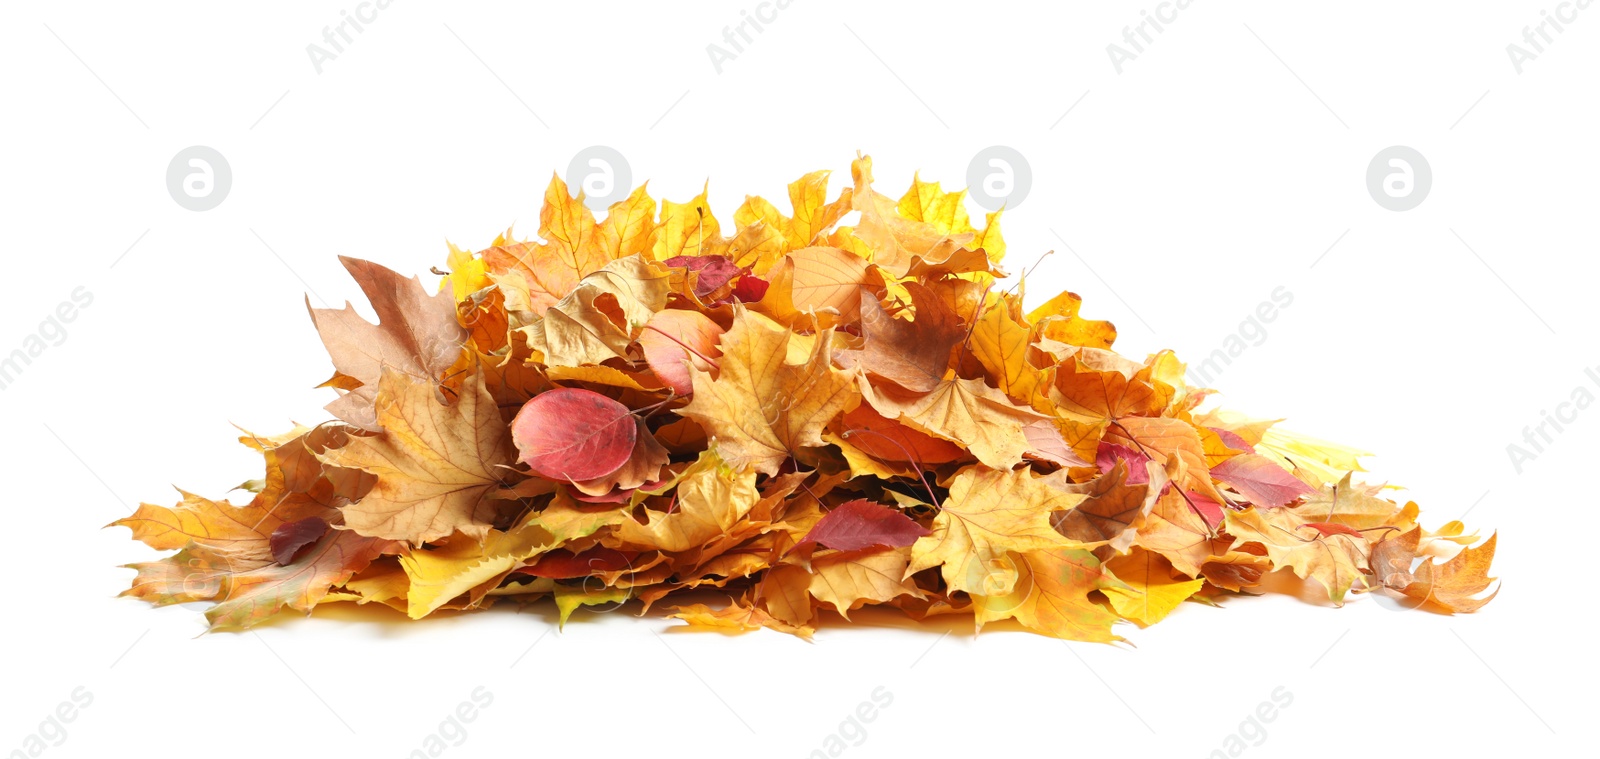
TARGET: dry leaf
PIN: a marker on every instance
(810, 418)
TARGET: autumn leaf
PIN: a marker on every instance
(1335, 560)
(964, 411)
(1260, 481)
(254, 596)
(735, 617)
(772, 422)
(1455, 585)
(764, 403)
(602, 315)
(1051, 595)
(574, 434)
(1000, 341)
(574, 245)
(913, 354)
(676, 339)
(711, 497)
(416, 335)
(860, 524)
(1152, 589)
(989, 514)
(847, 580)
(435, 464)
(463, 564)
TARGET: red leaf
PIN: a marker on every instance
(750, 289)
(574, 434)
(1107, 456)
(1232, 440)
(290, 538)
(858, 524)
(1209, 510)
(564, 565)
(715, 271)
(1330, 528)
(1260, 480)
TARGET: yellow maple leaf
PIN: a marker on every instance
(435, 464)
(1336, 560)
(988, 514)
(762, 405)
(1152, 591)
(1051, 595)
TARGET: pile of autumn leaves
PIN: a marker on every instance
(800, 416)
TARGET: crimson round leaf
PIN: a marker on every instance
(574, 434)
(858, 524)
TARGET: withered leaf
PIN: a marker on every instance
(807, 417)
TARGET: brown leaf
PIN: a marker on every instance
(416, 335)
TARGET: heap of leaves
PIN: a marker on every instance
(799, 416)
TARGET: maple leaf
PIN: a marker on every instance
(1175, 529)
(847, 580)
(913, 354)
(1347, 504)
(574, 245)
(416, 335)
(1152, 591)
(1113, 503)
(435, 464)
(805, 416)
(1058, 320)
(1100, 386)
(711, 496)
(1336, 559)
(602, 315)
(735, 617)
(1051, 595)
(897, 242)
(1455, 585)
(964, 411)
(761, 405)
(463, 564)
(989, 514)
(255, 595)
(1000, 341)
(1163, 439)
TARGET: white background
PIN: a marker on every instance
(1221, 163)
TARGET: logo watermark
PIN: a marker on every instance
(998, 176)
(1538, 436)
(738, 35)
(1252, 731)
(1398, 178)
(1539, 35)
(853, 729)
(51, 333)
(52, 730)
(452, 730)
(1251, 333)
(602, 174)
(336, 37)
(199, 178)
(1138, 35)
